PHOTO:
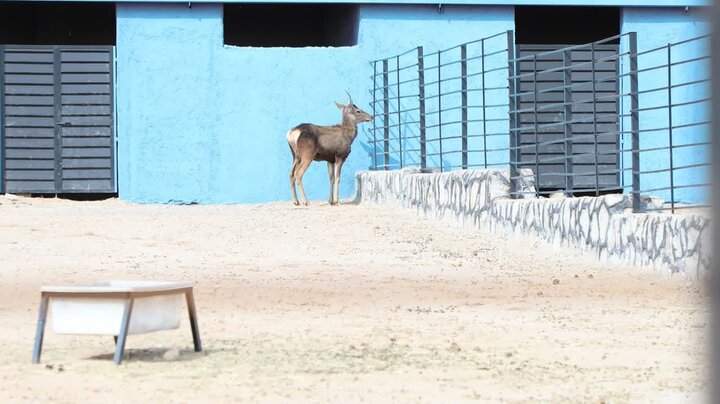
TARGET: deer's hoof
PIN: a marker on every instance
(305, 203)
(296, 203)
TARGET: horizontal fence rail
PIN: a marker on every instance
(672, 138)
(438, 111)
(585, 119)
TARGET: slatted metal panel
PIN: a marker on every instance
(57, 119)
(550, 109)
(87, 120)
(29, 119)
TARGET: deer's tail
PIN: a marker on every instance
(292, 138)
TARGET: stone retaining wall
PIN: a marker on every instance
(605, 225)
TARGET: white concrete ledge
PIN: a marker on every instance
(672, 244)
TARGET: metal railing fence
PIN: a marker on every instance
(587, 119)
(436, 110)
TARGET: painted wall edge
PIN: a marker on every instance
(616, 3)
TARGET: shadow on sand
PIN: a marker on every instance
(156, 355)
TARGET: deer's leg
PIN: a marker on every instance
(331, 174)
(302, 167)
(338, 166)
(296, 162)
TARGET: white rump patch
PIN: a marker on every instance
(292, 138)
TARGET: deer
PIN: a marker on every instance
(309, 142)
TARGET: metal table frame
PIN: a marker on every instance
(129, 297)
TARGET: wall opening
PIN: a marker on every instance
(565, 25)
(57, 23)
(290, 25)
(588, 162)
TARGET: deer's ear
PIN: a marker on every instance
(340, 106)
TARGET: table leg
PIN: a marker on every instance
(120, 344)
(193, 320)
(42, 316)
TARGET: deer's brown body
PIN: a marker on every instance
(332, 144)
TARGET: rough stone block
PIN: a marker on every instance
(481, 199)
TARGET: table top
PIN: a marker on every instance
(112, 288)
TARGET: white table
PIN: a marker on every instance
(116, 308)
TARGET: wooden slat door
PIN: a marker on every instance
(545, 125)
(57, 119)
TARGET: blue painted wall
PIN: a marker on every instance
(657, 27)
(199, 121)
(487, 124)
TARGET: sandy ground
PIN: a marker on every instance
(342, 304)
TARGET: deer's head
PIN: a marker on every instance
(352, 112)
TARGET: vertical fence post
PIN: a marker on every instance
(386, 115)
(512, 112)
(567, 127)
(594, 112)
(670, 128)
(399, 118)
(464, 106)
(482, 82)
(634, 121)
(374, 109)
(439, 82)
(617, 139)
(535, 129)
(421, 97)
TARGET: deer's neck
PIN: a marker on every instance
(349, 128)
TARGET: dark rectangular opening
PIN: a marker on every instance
(565, 25)
(290, 25)
(57, 23)
(541, 32)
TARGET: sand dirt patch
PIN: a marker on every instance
(344, 304)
